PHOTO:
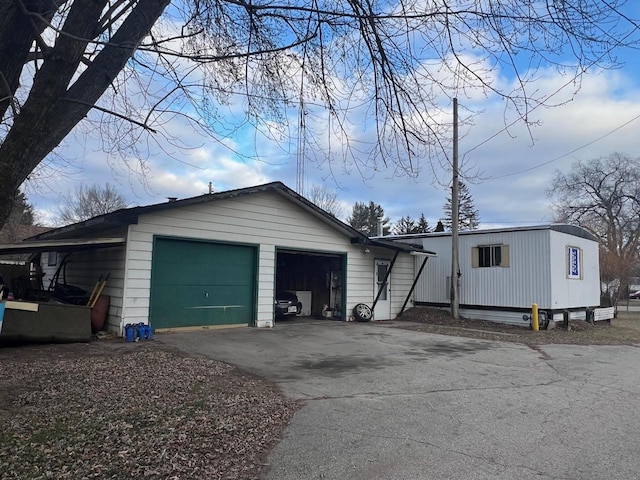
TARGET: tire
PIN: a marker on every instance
(544, 321)
(362, 312)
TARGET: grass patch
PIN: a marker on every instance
(623, 330)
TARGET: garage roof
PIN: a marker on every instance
(129, 216)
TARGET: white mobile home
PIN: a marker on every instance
(502, 272)
(221, 258)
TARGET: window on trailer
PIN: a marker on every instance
(490, 256)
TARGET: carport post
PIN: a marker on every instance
(384, 282)
(413, 286)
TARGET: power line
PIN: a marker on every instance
(518, 172)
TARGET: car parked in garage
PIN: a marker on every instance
(287, 304)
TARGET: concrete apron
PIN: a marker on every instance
(385, 403)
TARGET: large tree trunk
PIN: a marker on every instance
(18, 32)
(56, 103)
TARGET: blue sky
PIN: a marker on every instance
(508, 171)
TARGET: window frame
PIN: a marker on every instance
(52, 259)
(573, 262)
(497, 255)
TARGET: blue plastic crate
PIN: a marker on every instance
(1, 314)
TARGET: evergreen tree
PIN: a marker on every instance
(439, 227)
(468, 216)
(408, 225)
(21, 211)
(365, 218)
(20, 222)
(423, 225)
(405, 225)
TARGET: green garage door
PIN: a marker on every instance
(201, 283)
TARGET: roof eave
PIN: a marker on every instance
(34, 246)
(391, 245)
(97, 223)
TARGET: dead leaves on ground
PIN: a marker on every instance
(145, 413)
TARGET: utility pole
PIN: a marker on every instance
(455, 298)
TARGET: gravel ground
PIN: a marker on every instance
(113, 410)
(623, 330)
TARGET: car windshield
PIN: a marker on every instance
(286, 296)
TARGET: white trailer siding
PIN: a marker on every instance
(536, 271)
(574, 292)
(265, 219)
(523, 282)
(520, 284)
(433, 284)
(49, 262)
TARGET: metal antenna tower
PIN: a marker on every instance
(300, 164)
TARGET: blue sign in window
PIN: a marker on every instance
(573, 267)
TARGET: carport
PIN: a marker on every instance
(33, 317)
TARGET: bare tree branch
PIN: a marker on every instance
(603, 196)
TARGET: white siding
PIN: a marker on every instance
(135, 305)
(536, 271)
(84, 270)
(569, 292)
(402, 277)
(85, 267)
(522, 283)
(360, 282)
(49, 270)
(360, 267)
(432, 285)
(265, 219)
(266, 279)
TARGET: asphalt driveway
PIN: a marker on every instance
(385, 403)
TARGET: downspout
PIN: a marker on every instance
(415, 282)
(384, 282)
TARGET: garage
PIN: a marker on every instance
(315, 277)
(222, 258)
(201, 283)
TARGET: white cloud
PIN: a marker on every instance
(605, 102)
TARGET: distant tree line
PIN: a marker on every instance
(365, 218)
